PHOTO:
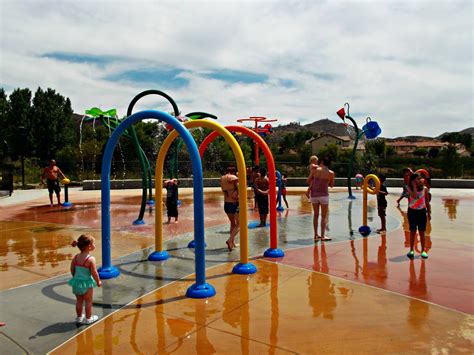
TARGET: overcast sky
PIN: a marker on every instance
(406, 64)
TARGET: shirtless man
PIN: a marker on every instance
(51, 174)
(230, 188)
(321, 179)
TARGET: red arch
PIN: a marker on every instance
(271, 172)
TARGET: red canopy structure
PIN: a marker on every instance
(262, 131)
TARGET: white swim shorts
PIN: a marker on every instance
(323, 200)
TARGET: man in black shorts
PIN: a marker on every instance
(52, 173)
(230, 188)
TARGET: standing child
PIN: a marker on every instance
(171, 187)
(382, 204)
(407, 172)
(419, 211)
(313, 166)
(284, 180)
(359, 179)
(262, 186)
(84, 278)
(253, 176)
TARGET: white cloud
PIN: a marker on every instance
(406, 64)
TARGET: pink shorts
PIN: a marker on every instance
(323, 200)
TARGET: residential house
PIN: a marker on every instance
(407, 148)
(344, 142)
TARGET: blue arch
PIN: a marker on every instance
(200, 289)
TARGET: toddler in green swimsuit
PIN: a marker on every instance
(84, 278)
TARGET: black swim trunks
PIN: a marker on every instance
(231, 207)
(53, 186)
(262, 202)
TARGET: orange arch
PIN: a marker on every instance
(271, 172)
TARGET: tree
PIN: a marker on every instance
(450, 159)
(305, 153)
(420, 152)
(390, 151)
(331, 151)
(4, 109)
(376, 147)
(455, 137)
(433, 153)
(301, 137)
(53, 123)
(19, 128)
(287, 142)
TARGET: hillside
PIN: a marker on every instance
(469, 130)
(339, 129)
(321, 126)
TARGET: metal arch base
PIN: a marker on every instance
(192, 244)
(138, 222)
(108, 272)
(201, 291)
(158, 256)
(365, 230)
(273, 253)
(256, 224)
(244, 269)
(66, 204)
(150, 202)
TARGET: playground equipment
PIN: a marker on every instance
(200, 289)
(244, 267)
(371, 130)
(273, 251)
(110, 120)
(148, 183)
(179, 142)
(66, 183)
(365, 230)
(262, 131)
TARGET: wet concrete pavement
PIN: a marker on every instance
(364, 290)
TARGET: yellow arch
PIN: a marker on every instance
(243, 219)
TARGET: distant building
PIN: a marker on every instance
(407, 148)
(343, 142)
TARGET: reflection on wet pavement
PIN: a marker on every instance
(310, 299)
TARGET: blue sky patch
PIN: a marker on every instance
(287, 83)
(235, 76)
(160, 77)
(325, 76)
(79, 58)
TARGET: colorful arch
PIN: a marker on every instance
(244, 267)
(273, 251)
(200, 289)
(144, 163)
